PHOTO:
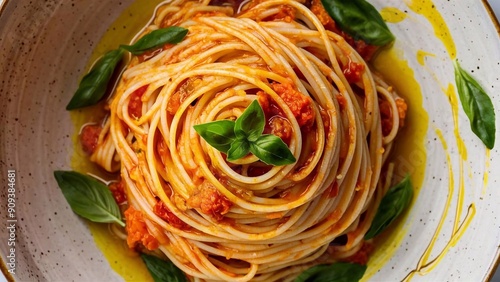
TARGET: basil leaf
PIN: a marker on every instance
(337, 272)
(219, 134)
(88, 197)
(251, 123)
(477, 106)
(239, 149)
(156, 39)
(272, 150)
(243, 136)
(163, 270)
(94, 84)
(392, 205)
(359, 19)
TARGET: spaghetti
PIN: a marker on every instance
(246, 220)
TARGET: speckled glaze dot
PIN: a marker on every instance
(45, 46)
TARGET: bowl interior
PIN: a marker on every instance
(46, 47)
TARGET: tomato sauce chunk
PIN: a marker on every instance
(386, 116)
(299, 104)
(118, 191)
(210, 201)
(135, 103)
(89, 137)
(137, 231)
(353, 71)
(161, 210)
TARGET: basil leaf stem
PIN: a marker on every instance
(337, 272)
(359, 19)
(94, 84)
(163, 270)
(156, 39)
(477, 106)
(392, 205)
(88, 197)
(244, 136)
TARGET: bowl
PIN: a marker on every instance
(451, 232)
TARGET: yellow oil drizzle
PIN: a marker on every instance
(425, 265)
(392, 15)
(486, 172)
(127, 263)
(409, 149)
(427, 9)
(126, 26)
(409, 153)
(451, 187)
(453, 99)
(426, 268)
(122, 260)
(421, 55)
(462, 151)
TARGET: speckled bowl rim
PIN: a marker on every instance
(496, 260)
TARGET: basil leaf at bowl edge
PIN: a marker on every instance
(477, 106)
(359, 19)
(156, 39)
(392, 205)
(163, 270)
(336, 272)
(88, 197)
(93, 85)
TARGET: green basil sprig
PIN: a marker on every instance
(359, 19)
(477, 106)
(337, 272)
(93, 85)
(243, 136)
(392, 205)
(163, 270)
(156, 39)
(88, 197)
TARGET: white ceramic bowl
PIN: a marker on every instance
(45, 47)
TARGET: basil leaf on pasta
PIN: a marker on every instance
(244, 136)
(219, 134)
(250, 124)
(477, 106)
(156, 39)
(392, 205)
(359, 19)
(272, 150)
(337, 272)
(88, 197)
(93, 85)
(163, 270)
(239, 148)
